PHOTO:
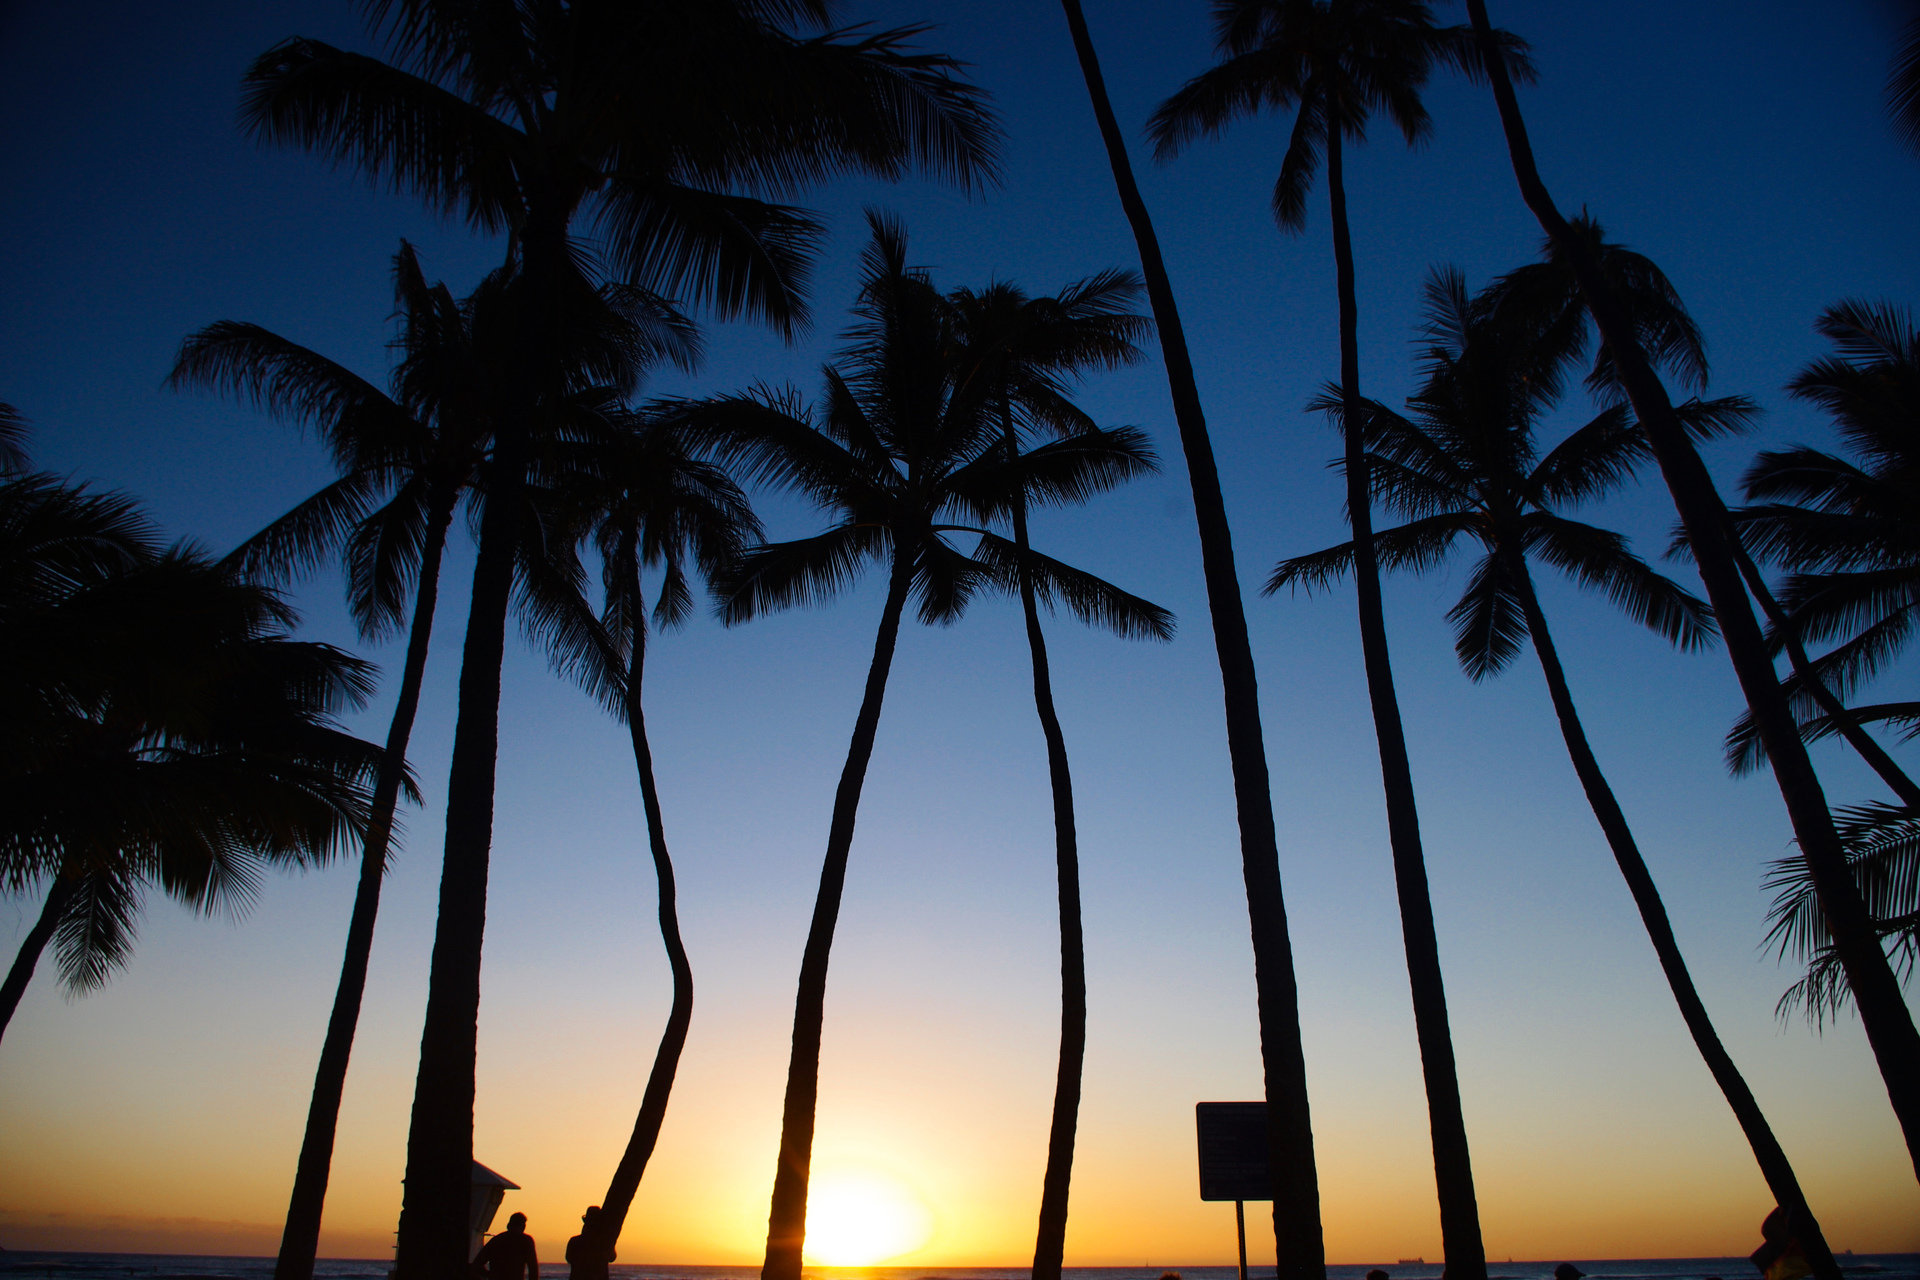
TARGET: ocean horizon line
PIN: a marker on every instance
(69, 1264)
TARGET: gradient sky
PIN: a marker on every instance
(1743, 146)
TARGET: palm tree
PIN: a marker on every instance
(164, 730)
(648, 504)
(1335, 62)
(903, 448)
(1709, 534)
(1022, 350)
(520, 115)
(1849, 531)
(405, 460)
(55, 541)
(1465, 465)
(1666, 332)
(1300, 1245)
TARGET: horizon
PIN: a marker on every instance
(875, 1268)
(171, 1102)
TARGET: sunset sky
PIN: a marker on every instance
(1742, 145)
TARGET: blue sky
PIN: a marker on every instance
(1743, 147)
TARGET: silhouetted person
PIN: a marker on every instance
(588, 1261)
(509, 1255)
(1781, 1257)
(1376, 1274)
(1567, 1271)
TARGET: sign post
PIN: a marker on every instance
(1233, 1159)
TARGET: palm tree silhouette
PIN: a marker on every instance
(1466, 465)
(1023, 350)
(520, 115)
(165, 731)
(1334, 65)
(1299, 1243)
(1711, 539)
(647, 503)
(1550, 290)
(904, 449)
(1847, 530)
(406, 459)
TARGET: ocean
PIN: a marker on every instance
(21, 1265)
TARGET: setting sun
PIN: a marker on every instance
(856, 1219)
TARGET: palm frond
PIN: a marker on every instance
(382, 555)
(13, 440)
(296, 543)
(1488, 621)
(737, 255)
(1061, 473)
(803, 572)
(285, 380)
(1313, 571)
(385, 123)
(1826, 606)
(1093, 600)
(945, 580)
(550, 601)
(1599, 558)
(1592, 462)
(1745, 752)
(1882, 844)
(1718, 418)
(1240, 86)
(96, 931)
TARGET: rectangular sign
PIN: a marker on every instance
(1233, 1151)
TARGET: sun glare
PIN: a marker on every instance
(858, 1219)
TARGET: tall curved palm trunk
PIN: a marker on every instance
(300, 1238)
(787, 1216)
(1050, 1241)
(1774, 1165)
(1883, 1010)
(666, 1059)
(1466, 1254)
(1299, 1243)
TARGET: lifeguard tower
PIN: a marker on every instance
(489, 1189)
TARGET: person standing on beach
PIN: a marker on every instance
(585, 1261)
(509, 1255)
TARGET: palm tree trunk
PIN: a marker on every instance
(1050, 1242)
(1466, 1254)
(1299, 1245)
(1858, 738)
(435, 1232)
(1883, 1011)
(1774, 1166)
(300, 1238)
(666, 1059)
(434, 1211)
(59, 892)
(787, 1216)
